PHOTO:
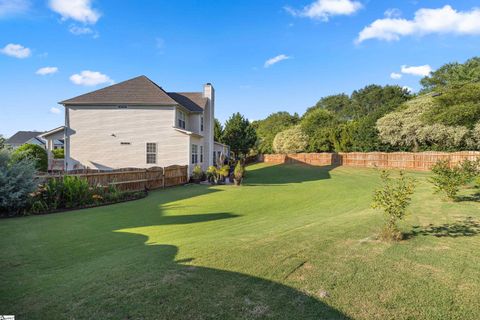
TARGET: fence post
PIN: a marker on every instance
(163, 177)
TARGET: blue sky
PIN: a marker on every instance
(315, 48)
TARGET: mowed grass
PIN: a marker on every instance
(295, 242)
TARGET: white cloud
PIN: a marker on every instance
(55, 110)
(395, 75)
(409, 89)
(78, 10)
(444, 20)
(46, 70)
(393, 13)
(12, 7)
(90, 78)
(16, 50)
(76, 30)
(421, 71)
(270, 62)
(324, 9)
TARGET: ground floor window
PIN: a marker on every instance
(201, 154)
(214, 158)
(194, 153)
(151, 152)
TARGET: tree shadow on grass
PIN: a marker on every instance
(173, 289)
(287, 173)
(111, 263)
(469, 198)
(464, 228)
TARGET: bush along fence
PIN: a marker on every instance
(89, 188)
(132, 179)
(385, 160)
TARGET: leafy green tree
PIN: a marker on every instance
(239, 134)
(393, 197)
(269, 127)
(448, 180)
(318, 125)
(457, 106)
(339, 104)
(34, 152)
(452, 74)
(375, 99)
(292, 140)
(406, 128)
(217, 130)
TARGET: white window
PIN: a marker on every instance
(181, 119)
(194, 153)
(201, 123)
(151, 152)
(201, 154)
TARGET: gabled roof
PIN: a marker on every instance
(22, 137)
(193, 101)
(138, 91)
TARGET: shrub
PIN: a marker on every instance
(449, 180)
(35, 152)
(17, 181)
(393, 198)
(211, 171)
(58, 153)
(238, 173)
(197, 173)
(292, 140)
(74, 192)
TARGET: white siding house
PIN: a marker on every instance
(136, 123)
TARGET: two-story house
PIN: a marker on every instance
(136, 123)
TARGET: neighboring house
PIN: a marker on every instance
(136, 123)
(32, 137)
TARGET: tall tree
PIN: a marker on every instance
(338, 104)
(239, 134)
(318, 125)
(376, 99)
(217, 130)
(268, 128)
(452, 74)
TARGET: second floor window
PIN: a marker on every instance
(201, 123)
(194, 153)
(181, 119)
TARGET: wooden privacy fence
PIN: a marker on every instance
(134, 179)
(387, 160)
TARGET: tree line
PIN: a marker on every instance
(443, 116)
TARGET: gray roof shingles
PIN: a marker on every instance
(23, 136)
(139, 91)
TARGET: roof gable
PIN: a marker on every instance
(140, 91)
(136, 91)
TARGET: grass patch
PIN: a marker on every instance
(293, 242)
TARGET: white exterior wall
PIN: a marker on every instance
(95, 135)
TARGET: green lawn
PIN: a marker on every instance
(268, 249)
